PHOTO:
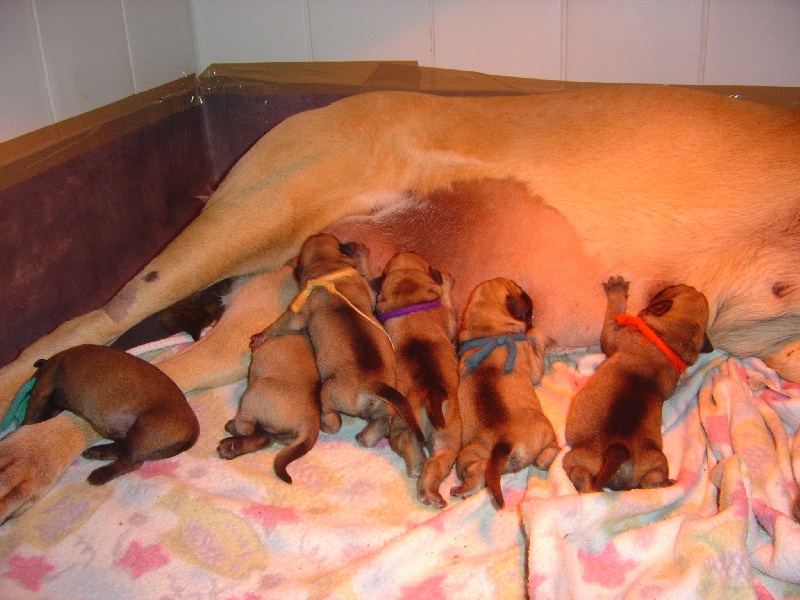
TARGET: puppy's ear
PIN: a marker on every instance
(707, 347)
(520, 308)
(435, 275)
(659, 308)
(377, 284)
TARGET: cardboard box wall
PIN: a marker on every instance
(85, 203)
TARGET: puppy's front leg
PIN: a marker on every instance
(616, 289)
(288, 322)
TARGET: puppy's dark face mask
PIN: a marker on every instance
(520, 307)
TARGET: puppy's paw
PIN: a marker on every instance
(229, 448)
(656, 479)
(256, 340)
(575, 466)
(616, 285)
(330, 422)
(431, 498)
(546, 457)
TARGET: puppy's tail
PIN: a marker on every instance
(403, 408)
(616, 455)
(497, 462)
(434, 400)
(291, 453)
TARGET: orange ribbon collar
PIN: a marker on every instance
(637, 323)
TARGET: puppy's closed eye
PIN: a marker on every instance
(659, 308)
(435, 275)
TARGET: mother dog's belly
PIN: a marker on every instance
(479, 230)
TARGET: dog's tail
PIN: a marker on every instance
(403, 408)
(300, 447)
(434, 401)
(616, 455)
(497, 462)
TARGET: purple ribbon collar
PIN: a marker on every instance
(407, 310)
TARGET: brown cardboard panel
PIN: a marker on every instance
(75, 233)
(362, 76)
(35, 152)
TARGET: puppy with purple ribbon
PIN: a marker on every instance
(414, 307)
(501, 360)
(354, 354)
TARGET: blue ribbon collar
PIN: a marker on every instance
(485, 345)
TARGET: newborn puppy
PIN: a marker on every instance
(354, 354)
(501, 359)
(414, 306)
(124, 398)
(614, 422)
(281, 403)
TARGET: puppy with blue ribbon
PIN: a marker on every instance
(501, 359)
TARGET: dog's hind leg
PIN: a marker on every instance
(580, 465)
(407, 446)
(112, 470)
(237, 445)
(434, 472)
(471, 468)
(107, 451)
(375, 431)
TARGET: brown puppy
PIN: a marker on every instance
(501, 359)
(281, 403)
(414, 306)
(555, 191)
(354, 354)
(123, 397)
(614, 422)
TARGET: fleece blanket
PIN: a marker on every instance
(349, 527)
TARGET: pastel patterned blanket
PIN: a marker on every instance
(196, 526)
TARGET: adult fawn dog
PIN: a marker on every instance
(558, 192)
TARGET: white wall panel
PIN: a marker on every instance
(753, 43)
(637, 41)
(85, 54)
(370, 30)
(24, 103)
(97, 51)
(161, 41)
(249, 31)
(521, 38)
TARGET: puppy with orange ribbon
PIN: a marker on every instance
(614, 422)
